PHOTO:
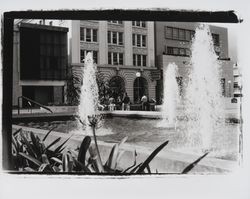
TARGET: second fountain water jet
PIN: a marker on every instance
(170, 97)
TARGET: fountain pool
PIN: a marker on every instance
(146, 133)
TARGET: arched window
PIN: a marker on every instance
(140, 89)
(117, 86)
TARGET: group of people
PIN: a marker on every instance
(116, 102)
(112, 103)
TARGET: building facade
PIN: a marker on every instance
(173, 43)
(40, 61)
(123, 51)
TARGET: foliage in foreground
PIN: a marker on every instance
(31, 154)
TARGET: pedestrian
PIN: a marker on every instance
(126, 102)
(144, 101)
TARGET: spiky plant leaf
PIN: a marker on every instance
(83, 149)
(48, 133)
(151, 157)
(17, 131)
(28, 145)
(58, 149)
(193, 164)
(56, 160)
(111, 162)
(45, 159)
(53, 143)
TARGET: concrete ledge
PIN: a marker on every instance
(165, 162)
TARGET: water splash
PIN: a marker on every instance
(170, 96)
(89, 91)
(204, 108)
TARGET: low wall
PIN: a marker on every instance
(165, 162)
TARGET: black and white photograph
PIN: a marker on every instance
(115, 93)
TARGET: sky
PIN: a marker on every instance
(235, 185)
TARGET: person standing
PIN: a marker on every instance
(144, 101)
(126, 102)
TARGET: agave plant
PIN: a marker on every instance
(31, 154)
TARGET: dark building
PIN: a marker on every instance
(40, 63)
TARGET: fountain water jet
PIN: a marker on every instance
(89, 91)
(204, 108)
(170, 96)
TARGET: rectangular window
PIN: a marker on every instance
(110, 58)
(192, 33)
(133, 39)
(223, 86)
(95, 57)
(115, 60)
(175, 51)
(138, 60)
(120, 58)
(134, 59)
(170, 50)
(144, 60)
(119, 22)
(133, 23)
(137, 23)
(181, 34)
(82, 34)
(139, 40)
(82, 57)
(169, 33)
(187, 35)
(143, 24)
(144, 40)
(120, 34)
(94, 35)
(114, 34)
(88, 35)
(109, 37)
(175, 33)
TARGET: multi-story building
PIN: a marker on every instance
(123, 51)
(173, 43)
(40, 61)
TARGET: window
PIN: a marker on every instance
(144, 40)
(177, 51)
(169, 33)
(141, 24)
(115, 22)
(120, 36)
(83, 54)
(178, 34)
(139, 60)
(170, 50)
(109, 37)
(144, 60)
(82, 34)
(115, 58)
(133, 38)
(223, 86)
(180, 85)
(134, 59)
(115, 38)
(187, 35)
(139, 40)
(88, 34)
(94, 35)
(175, 33)
(109, 58)
(181, 34)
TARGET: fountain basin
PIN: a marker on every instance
(167, 161)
